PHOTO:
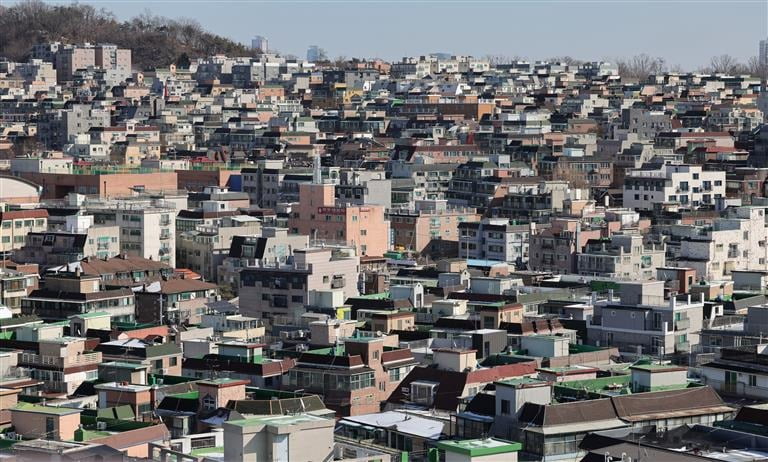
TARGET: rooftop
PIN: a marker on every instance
(41, 409)
(479, 447)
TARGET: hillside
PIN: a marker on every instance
(155, 41)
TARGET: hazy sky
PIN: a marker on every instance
(685, 32)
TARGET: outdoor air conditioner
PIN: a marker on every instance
(101, 426)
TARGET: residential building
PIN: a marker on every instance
(271, 246)
(293, 437)
(431, 228)
(495, 239)
(45, 422)
(687, 186)
(363, 227)
(643, 321)
(204, 249)
(271, 291)
(737, 241)
(363, 375)
(174, 301)
(62, 364)
(621, 257)
(17, 224)
(555, 248)
(67, 294)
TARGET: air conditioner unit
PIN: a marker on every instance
(101, 426)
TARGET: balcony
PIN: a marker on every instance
(683, 324)
(32, 359)
(683, 347)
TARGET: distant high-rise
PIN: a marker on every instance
(260, 43)
(315, 53)
(763, 56)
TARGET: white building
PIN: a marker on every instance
(735, 242)
(260, 43)
(686, 185)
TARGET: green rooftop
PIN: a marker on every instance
(125, 365)
(520, 381)
(479, 447)
(188, 395)
(40, 409)
(333, 351)
(378, 296)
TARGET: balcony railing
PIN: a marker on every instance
(683, 324)
(33, 359)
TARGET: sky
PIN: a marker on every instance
(684, 32)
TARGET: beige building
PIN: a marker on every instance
(271, 246)
(622, 256)
(204, 249)
(45, 422)
(62, 364)
(302, 437)
(284, 290)
(147, 228)
(17, 224)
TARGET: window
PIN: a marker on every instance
(173, 361)
(209, 403)
(752, 380)
(49, 428)
(504, 407)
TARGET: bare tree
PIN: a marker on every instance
(641, 66)
(496, 60)
(569, 60)
(725, 64)
(340, 61)
(757, 68)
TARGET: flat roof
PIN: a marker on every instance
(521, 382)
(480, 447)
(280, 420)
(40, 409)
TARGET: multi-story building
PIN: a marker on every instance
(121, 270)
(70, 58)
(17, 224)
(317, 215)
(495, 239)
(67, 294)
(275, 290)
(537, 203)
(270, 246)
(175, 301)
(204, 249)
(159, 358)
(621, 257)
(62, 364)
(430, 228)
(734, 242)
(644, 322)
(48, 249)
(685, 185)
(147, 229)
(554, 248)
(16, 285)
(353, 378)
